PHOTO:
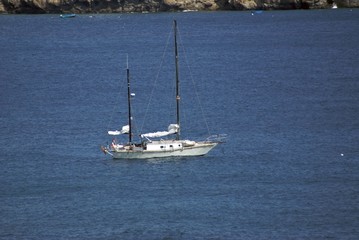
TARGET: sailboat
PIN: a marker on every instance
(151, 145)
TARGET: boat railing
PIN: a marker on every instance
(219, 138)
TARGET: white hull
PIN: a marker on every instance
(201, 148)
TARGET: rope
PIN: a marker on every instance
(194, 85)
(155, 81)
(122, 83)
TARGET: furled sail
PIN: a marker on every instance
(172, 129)
(125, 129)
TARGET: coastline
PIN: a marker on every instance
(122, 6)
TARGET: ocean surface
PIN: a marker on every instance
(283, 85)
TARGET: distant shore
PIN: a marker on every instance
(127, 6)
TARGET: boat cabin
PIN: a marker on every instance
(163, 146)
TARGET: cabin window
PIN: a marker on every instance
(171, 146)
(162, 146)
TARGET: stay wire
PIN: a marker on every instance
(156, 80)
(122, 83)
(193, 83)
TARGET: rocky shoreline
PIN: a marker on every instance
(125, 6)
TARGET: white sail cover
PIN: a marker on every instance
(172, 129)
(125, 129)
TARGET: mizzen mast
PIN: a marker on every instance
(177, 83)
(129, 105)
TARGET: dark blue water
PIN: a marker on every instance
(284, 85)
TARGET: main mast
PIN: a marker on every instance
(177, 83)
(129, 105)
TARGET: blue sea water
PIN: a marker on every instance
(284, 86)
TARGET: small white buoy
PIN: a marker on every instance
(342, 154)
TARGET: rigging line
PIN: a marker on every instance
(113, 110)
(156, 80)
(122, 84)
(193, 83)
